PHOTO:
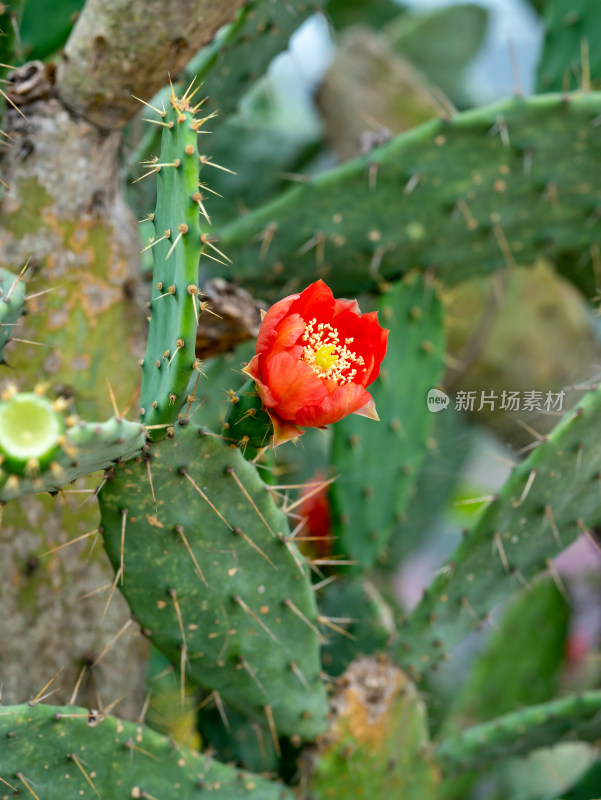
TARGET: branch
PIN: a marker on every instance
(120, 48)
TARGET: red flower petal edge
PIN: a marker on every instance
(315, 357)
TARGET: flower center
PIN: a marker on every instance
(327, 356)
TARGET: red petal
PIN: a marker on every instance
(316, 301)
(271, 319)
(341, 305)
(288, 333)
(345, 400)
(293, 383)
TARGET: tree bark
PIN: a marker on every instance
(64, 209)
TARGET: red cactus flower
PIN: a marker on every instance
(315, 356)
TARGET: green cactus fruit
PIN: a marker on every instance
(12, 298)
(462, 197)
(66, 752)
(377, 742)
(41, 450)
(518, 733)
(178, 243)
(378, 462)
(213, 581)
(246, 423)
(570, 59)
(550, 498)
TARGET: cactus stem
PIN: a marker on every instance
(246, 608)
(9, 784)
(204, 497)
(230, 471)
(180, 530)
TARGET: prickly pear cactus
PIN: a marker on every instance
(203, 556)
(69, 752)
(298, 625)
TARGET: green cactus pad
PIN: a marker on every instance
(518, 733)
(550, 499)
(370, 627)
(462, 197)
(176, 247)
(570, 58)
(378, 462)
(66, 752)
(12, 298)
(49, 456)
(377, 742)
(212, 581)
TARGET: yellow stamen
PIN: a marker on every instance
(327, 356)
(324, 357)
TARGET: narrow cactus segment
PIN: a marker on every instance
(378, 462)
(40, 450)
(550, 498)
(463, 197)
(377, 743)
(12, 299)
(176, 247)
(213, 582)
(520, 732)
(230, 65)
(241, 52)
(570, 59)
(66, 752)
